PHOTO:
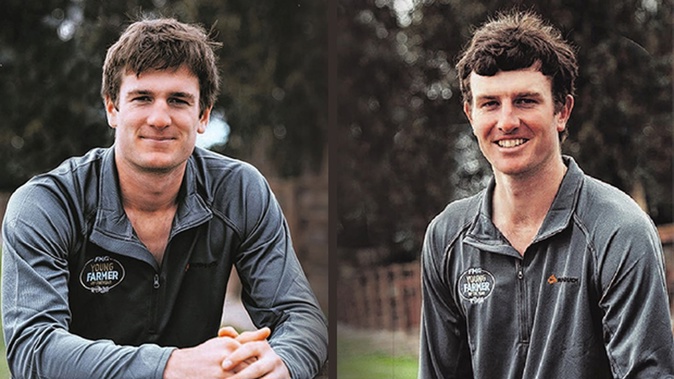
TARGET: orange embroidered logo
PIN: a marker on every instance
(554, 280)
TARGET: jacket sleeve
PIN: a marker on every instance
(636, 319)
(38, 231)
(275, 291)
(444, 351)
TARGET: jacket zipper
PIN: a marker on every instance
(153, 305)
(522, 300)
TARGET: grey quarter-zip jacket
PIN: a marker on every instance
(83, 298)
(588, 299)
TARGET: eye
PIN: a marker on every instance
(178, 101)
(489, 104)
(141, 99)
(525, 101)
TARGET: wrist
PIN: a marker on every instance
(172, 364)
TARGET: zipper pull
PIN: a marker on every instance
(520, 271)
(156, 281)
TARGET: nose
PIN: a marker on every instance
(507, 119)
(159, 116)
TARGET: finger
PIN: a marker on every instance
(227, 346)
(240, 366)
(253, 372)
(228, 331)
(259, 369)
(267, 367)
(268, 364)
(256, 335)
(247, 352)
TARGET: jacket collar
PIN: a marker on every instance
(484, 235)
(113, 231)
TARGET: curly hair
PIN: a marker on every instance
(518, 40)
(161, 44)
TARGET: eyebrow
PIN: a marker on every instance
(517, 95)
(180, 94)
(529, 94)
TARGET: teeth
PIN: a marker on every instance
(511, 142)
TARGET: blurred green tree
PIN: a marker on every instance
(273, 64)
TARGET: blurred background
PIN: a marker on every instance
(272, 110)
(405, 148)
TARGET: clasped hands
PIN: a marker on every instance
(230, 355)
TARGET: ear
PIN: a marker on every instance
(467, 109)
(110, 112)
(565, 113)
(203, 120)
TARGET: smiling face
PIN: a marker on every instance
(513, 117)
(156, 119)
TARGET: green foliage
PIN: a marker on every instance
(51, 53)
(406, 149)
(46, 87)
(274, 68)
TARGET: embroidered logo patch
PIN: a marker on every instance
(101, 274)
(475, 285)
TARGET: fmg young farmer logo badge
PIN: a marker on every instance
(475, 285)
(101, 274)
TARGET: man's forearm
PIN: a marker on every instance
(64, 355)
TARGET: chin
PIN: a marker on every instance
(511, 168)
(158, 164)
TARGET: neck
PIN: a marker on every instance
(149, 192)
(528, 196)
(520, 203)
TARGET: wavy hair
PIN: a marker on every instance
(161, 44)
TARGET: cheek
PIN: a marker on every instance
(122, 135)
(481, 127)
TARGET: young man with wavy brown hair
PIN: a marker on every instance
(115, 264)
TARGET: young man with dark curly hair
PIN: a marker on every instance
(547, 273)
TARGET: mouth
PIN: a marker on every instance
(156, 139)
(510, 143)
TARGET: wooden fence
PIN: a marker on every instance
(380, 298)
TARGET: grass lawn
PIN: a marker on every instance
(360, 355)
(4, 371)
